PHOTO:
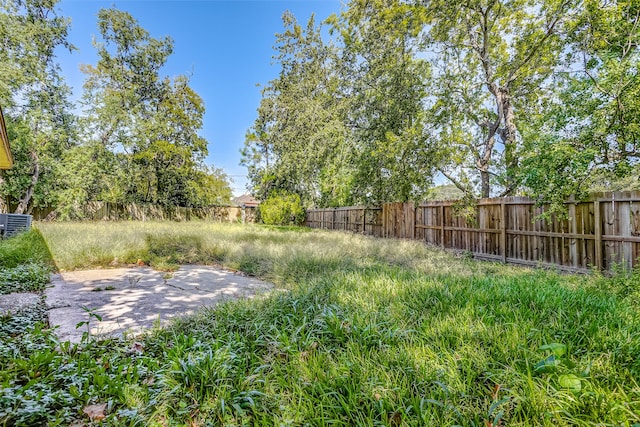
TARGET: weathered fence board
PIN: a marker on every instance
(398, 220)
(600, 232)
(358, 219)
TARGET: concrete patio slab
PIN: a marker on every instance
(130, 300)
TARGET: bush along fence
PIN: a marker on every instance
(104, 211)
(601, 232)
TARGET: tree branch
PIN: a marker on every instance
(454, 181)
(507, 191)
(537, 46)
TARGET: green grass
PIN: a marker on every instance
(369, 332)
(24, 248)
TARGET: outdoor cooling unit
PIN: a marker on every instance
(11, 224)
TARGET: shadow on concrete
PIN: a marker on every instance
(129, 300)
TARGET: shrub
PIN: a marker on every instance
(282, 208)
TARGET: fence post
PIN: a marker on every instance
(625, 231)
(573, 229)
(503, 231)
(333, 219)
(598, 234)
(383, 229)
(442, 225)
(364, 220)
(415, 215)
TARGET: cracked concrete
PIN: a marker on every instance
(130, 300)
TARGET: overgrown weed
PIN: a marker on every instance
(29, 277)
(370, 332)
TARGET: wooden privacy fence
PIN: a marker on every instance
(601, 232)
(104, 211)
(358, 219)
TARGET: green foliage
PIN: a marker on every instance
(518, 97)
(282, 208)
(92, 316)
(387, 78)
(558, 366)
(31, 277)
(208, 186)
(344, 123)
(500, 98)
(31, 30)
(445, 192)
(156, 120)
(476, 92)
(391, 330)
(34, 177)
(138, 138)
(25, 263)
(45, 382)
(35, 100)
(587, 136)
(298, 134)
(19, 323)
(494, 60)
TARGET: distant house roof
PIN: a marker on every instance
(245, 200)
(6, 159)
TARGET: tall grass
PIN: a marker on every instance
(370, 332)
(274, 249)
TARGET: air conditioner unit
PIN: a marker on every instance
(11, 224)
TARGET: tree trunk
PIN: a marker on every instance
(508, 134)
(485, 188)
(483, 164)
(24, 202)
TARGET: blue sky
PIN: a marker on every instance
(225, 45)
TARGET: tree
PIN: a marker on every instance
(501, 97)
(386, 82)
(38, 112)
(282, 208)
(495, 60)
(299, 129)
(140, 127)
(589, 135)
(209, 186)
(345, 124)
